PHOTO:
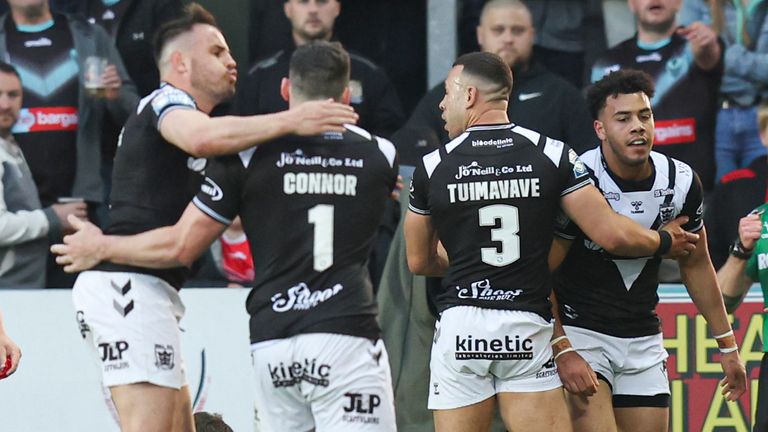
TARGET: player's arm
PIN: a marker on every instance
(166, 247)
(619, 234)
(202, 136)
(575, 373)
(701, 281)
(425, 254)
(732, 276)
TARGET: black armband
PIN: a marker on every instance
(665, 243)
(739, 251)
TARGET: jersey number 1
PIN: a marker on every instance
(506, 234)
(321, 216)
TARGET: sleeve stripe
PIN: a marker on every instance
(698, 227)
(565, 236)
(576, 187)
(418, 210)
(210, 212)
(168, 109)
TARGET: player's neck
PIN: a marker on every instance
(628, 172)
(31, 16)
(652, 35)
(489, 116)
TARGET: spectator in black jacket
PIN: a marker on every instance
(373, 96)
(540, 100)
(131, 24)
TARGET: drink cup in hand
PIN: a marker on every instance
(93, 70)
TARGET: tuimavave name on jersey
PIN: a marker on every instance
(494, 189)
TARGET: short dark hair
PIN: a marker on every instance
(193, 14)
(207, 422)
(319, 69)
(9, 69)
(489, 67)
(623, 81)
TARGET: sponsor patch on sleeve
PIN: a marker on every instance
(579, 168)
(171, 97)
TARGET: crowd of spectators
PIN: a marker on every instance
(707, 59)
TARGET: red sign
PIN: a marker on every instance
(694, 365)
(43, 119)
(676, 131)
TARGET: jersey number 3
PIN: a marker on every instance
(321, 216)
(506, 234)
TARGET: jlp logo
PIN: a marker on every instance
(113, 351)
(359, 404)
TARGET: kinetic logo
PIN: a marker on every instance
(509, 348)
(289, 375)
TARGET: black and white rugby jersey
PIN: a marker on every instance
(617, 295)
(153, 180)
(310, 208)
(493, 194)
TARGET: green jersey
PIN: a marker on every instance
(757, 266)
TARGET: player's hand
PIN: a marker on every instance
(735, 382)
(8, 350)
(112, 82)
(576, 374)
(750, 227)
(316, 117)
(683, 242)
(81, 250)
(395, 194)
(63, 210)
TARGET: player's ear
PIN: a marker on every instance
(599, 129)
(470, 96)
(177, 62)
(285, 89)
(346, 97)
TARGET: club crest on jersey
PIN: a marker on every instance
(666, 212)
(579, 168)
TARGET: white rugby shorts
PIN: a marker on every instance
(132, 321)
(477, 353)
(323, 381)
(632, 366)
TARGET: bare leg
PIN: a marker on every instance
(472, 418)
(594, 413)
(145, 407)
(642, 419)
(183, 420)
(540, 411)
